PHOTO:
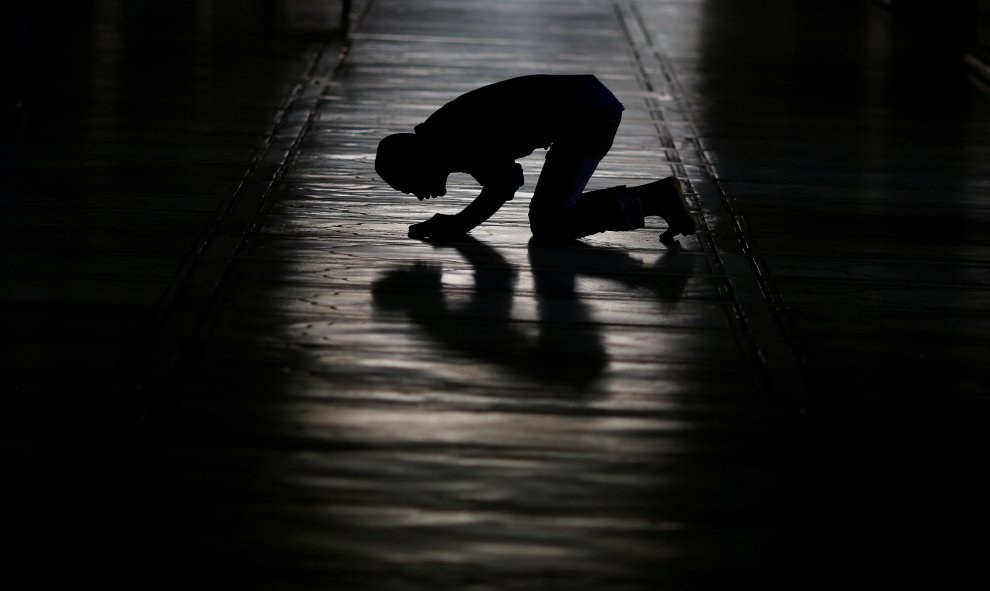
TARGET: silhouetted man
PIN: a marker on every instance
(483, 132)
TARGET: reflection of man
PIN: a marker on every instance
(566, 346)
(483, 132)
(570, 354)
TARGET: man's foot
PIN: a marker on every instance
(671, 205)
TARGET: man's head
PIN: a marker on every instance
(404, 162)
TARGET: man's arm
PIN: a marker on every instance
(493, 196)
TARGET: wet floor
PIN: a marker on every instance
(226, 364)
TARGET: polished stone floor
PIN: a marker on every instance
(227, 366)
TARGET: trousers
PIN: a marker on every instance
(560, 209)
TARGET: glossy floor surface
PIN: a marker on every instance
(226, 364)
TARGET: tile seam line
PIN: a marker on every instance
(737, 316)
(310, 78)
(184, 275)
(298, 92)
(768, 290)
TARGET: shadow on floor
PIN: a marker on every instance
(564, 345)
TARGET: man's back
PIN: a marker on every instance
(509, 119)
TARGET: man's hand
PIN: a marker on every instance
(438, 227)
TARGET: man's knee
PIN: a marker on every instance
(555, 228)
(539, 224)
(546, 226)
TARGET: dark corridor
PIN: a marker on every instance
(225, 364)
